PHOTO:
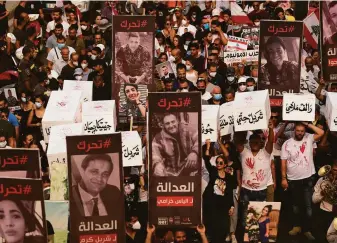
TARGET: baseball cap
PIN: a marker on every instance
(242, 79)
(101, 46)
(216, 12)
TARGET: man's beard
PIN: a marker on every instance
(299, 137)
(170, 133)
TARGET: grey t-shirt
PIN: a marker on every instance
(51, 42)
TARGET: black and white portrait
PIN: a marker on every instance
(165, 71)
(132, 100)
(175, 145)
(11, 97)
(95, 184)
(329, 22)
(133, 57)
(279, 62)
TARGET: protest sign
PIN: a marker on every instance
(279, 71)
(57, 159)
(226, 118)
(209, 125)
(174, 188)
(132, 149)
(236, 44)
(331, 110)
(22, 199)
(84, 86)
(133, 67)
(63, 108)
(252, 34)
(251, 110)
(20, 163)
(241, 56)
(298, 107)
(57, 213)
(328, 42)
(99, 117)
(101, 154)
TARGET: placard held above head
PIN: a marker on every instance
(132, 149)
(251, 110)
(85, 86)
(226, 118)
(209, 126)
(298, 107)
(331, 110)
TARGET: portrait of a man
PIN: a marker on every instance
(165, 71)
(92, 194)
(10, 95)
(331, 18)
(133, 63)
(175, 149)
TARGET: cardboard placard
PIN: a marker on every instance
(298, 107)
(331, 110)
(84, 86)
(226, 118)
(209, 126)
(132, 149)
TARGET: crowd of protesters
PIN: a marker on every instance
(62, 43)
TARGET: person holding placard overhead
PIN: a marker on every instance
(298, 171)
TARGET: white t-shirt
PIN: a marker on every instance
(55, 54)
(51, 26)
(256, 171)
(299, 156)
(190, 28)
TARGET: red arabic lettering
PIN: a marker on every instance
(163, 103)
(285, 29)
(89, 146)
(133, 24)
(15, 160)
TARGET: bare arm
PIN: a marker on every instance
(150, 231)
(284, 173)
(318, 132)
(223, 39)
(270, 142)
(11, 142)
(318, 93)
(272, 166)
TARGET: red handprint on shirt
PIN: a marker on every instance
(250, 163)
(302, 147)
(259, 175)
(253, 185)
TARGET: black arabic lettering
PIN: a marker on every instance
(206, 130)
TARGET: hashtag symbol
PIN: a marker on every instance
(23, 159)
(107, 143)
(187, 101)
(144, 23)
(27, 189)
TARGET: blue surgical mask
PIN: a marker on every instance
(217, 96)
(60, 45)
(206, 26)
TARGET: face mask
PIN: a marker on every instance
(206, 26)
(230, 79)
(75, 64)
(23, 99)
(47, 81)
(136, 225)
(217, 96)
(212, 74)
(257, 23)
(78, 78)
(184, 90)
(93, 57)
(250, 88)
(242, 87)
(183, 22)
(188, 67)
(84, 27)
(3, 144)
(172, 59)
(50, 76)
(84, 65)
(60, 46)
(38, 105)
(187, 42)
(236, 27)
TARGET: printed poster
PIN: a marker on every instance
(280, 58)
(95, 172)
(328, 40)
(23, 199)
(57, 214)
(252, 34)
(236, 44)
(20, 163)
(175, 167)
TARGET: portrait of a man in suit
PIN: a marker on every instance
(92, 194)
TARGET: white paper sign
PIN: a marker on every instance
(209, 126)
(236, 44)
(99, 117)
(239, 56)
(298, 107)
(331, 110)
(132, 149)
(84, 86)
(226, 118)
(57, 158)
(63, 108)
(251, 110)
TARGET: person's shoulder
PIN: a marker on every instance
(291, 64)
(111, 189)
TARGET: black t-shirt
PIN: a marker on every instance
(50, 228)
(101, 93)
(206, 14)
(161, 14)
(18, 10)
(7, 129)
(20, 35)
(199, 64)
(68, 72)
(34, 6)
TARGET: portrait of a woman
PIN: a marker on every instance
(133, 60)
(132, 105)
(264, 222)
(18, 225)
(278, 71)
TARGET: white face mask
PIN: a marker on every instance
(183, 22)
(136, 225)
(38, 105)
(50, 76)
(188, 67)
(184, 90)
(78, 78)
(242, 87)
(23, 99)
(84, 65)
(93, 57)
(257, 23)
(3, 144)
(47, 81)
(75, 64)
(230, 79)
(212, 74)
(250, 88)
(84, 27)
(172, 59)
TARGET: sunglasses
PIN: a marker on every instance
(168, 23)
(274, 117)
(219, 163)
(240, 84)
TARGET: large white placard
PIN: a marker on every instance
(331, 110)
(99, 117)
(226, 118)
(84, 86)
(251, 110)
(63, 108)
(209, 126)
(132, 149)
(298, 107)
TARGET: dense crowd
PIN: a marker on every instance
(45, 46)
